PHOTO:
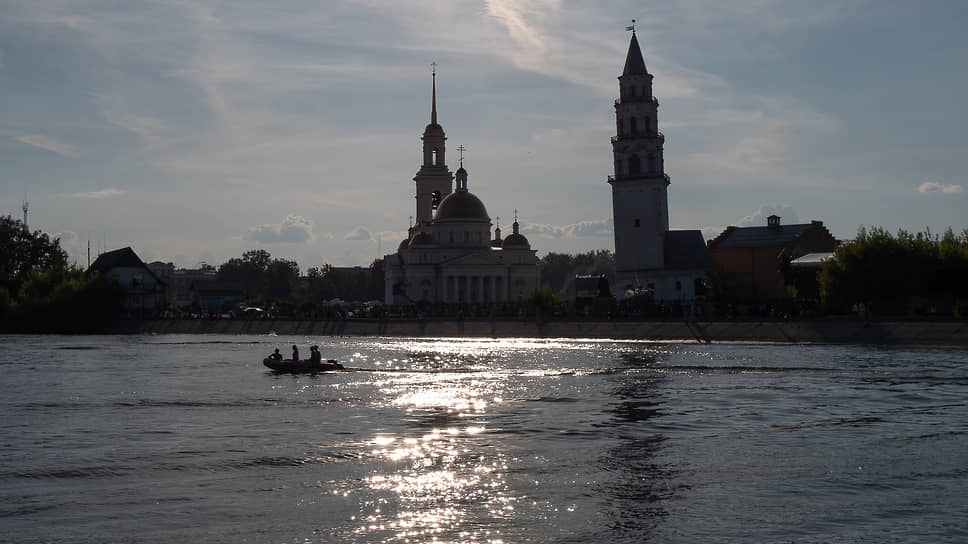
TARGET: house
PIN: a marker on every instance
(143, 290)
(215, 296)
(754, 261)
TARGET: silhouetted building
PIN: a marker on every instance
(449, 255)
(649, 258)
(755, 261)
(143, 290)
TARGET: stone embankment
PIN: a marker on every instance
(825, 331)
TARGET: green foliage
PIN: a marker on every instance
(558, 270)
(878, 267)
(63, 300)
(23, 252)
(543, 301)
(261, 276)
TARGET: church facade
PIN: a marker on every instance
(668, 265)
(449, 255)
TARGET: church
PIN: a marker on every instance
(449, 255)
(667, 265)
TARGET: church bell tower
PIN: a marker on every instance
(433, 180)
(640, 209)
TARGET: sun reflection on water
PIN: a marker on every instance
(437, 481)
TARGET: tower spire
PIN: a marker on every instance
(433, 96)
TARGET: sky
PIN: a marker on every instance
(196, 130)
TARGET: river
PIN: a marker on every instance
(189, 438)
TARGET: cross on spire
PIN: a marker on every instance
(515, 215)
(462, 149)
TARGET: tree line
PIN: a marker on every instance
(902, 274)
(41, 292)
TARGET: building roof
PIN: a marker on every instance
(122, 258)
(686, 250)
(218, 287)
(634, 63)
(812, 260)
(768, 236)
(461, 205)
(118, 258)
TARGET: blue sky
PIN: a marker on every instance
(194, 131)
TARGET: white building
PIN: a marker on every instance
(449, 256)
(648, 256)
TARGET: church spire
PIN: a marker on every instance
(433, 97)
(634, 63)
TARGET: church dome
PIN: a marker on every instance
(516, 239)
(461, 205)
(421, 239)
(404, 244)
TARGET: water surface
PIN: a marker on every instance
(191, 439)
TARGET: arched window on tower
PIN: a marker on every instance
(647, 125)
(652, 164)
(436, 158)
(634, 165)
(632, 127)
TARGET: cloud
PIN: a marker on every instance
(49, 144)
(786, 213)
(294, 229)
(359, 233)
(935, 187)
(581, 229)
(103, 193)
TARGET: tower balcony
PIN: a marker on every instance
(629, 99)
(643, 175)
(640, 135)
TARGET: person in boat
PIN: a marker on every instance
(276, 356)
(314, 356)
(295, 354)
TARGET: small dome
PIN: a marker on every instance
(403, 244)
(421, 239)
(516, 240)
(461, 205)
(433, 129)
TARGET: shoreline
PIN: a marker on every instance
(818, 331)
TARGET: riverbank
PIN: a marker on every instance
(822, 331)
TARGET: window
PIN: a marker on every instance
(632, 127)
(646, 127)
(652, 163)
(638, 223)
(436, 157)
(452, 237)
(634, 165)
(678, 285)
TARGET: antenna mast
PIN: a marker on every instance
(24, 208)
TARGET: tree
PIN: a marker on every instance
(23, 252)
(877, 267)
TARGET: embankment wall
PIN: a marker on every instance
(816, 331)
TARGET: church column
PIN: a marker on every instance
(467, 288)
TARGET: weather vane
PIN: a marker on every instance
(632, 28)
